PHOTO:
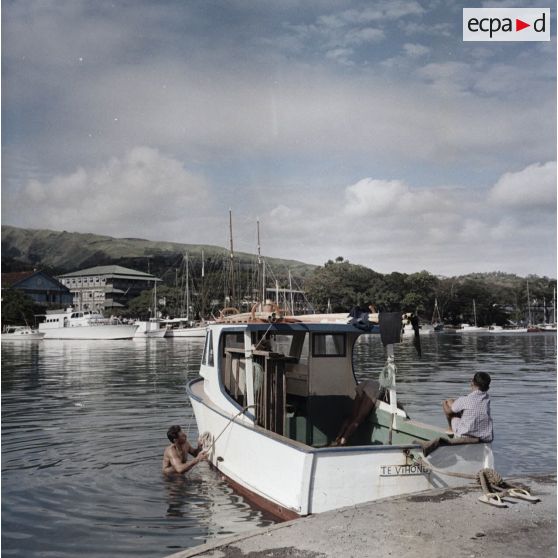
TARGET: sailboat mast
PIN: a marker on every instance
(155, 300)
(202, 310)
(187, 288)
(231, 270)
(291, 291)
(528, 305)
(475, 312)
(554, 305)
(261, 264)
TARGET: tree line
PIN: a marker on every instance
(337, 286)
(499, 297)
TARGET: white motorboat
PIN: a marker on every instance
(20, 333)
(268, 418)
(149, 329)
(69, 324)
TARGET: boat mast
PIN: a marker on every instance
(554, 305)
(202, 310)
(291, 292)
(231, 270)
(261, 264)
(155, 299)
(528, 305)
(187, 288)
(475, 312)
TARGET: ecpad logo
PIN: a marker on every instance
(506, 24)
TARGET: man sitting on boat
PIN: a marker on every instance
(469, 416)
(366, 396)
(175, 456)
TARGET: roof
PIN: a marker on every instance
(9, 279)
(32, 281)
(112, 271)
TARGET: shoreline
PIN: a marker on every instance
(429, 523)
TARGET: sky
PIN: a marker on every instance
(362, 129)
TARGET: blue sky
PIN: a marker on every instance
(367, 130)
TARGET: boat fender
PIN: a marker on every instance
(206, 441)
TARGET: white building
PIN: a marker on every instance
(106, 287)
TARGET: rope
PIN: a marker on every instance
(263, 336)
(494, 487)
(207, 439)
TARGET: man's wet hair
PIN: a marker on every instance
(173, 432)
(482, 380)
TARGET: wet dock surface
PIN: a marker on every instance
(437, 523)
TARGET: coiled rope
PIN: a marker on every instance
(494, 487)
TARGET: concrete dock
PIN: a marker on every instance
(437, 523)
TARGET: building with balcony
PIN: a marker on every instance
(106, 287)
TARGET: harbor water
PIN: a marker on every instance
(84, 427)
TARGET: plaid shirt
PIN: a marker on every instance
(475, 418)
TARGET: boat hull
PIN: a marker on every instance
(293, 478)
(91, 332)
(187, 332)
(35, 336)
(148, 330)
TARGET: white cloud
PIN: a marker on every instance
(144, 192)
(373, 197)
(392, 225)
(533, 187)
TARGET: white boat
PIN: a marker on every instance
(20, 333)
(152, 328)
(468, 328)
(183, 327)
(149, 329)
(408, 330)
(268, 418)
(506, 330)
(69, 324)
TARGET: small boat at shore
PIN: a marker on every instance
(272, 394)
(20, 333)
(70, 324)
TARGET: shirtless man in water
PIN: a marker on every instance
(174, 458)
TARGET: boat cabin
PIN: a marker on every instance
(296, 380)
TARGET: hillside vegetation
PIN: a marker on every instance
(337, 285)
(62, 252)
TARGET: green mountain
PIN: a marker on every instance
(62, 252)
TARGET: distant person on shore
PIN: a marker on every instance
(366, 396)
(175, 456)
(469, 416)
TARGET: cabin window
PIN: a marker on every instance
(291, 345)
(328, 345)
(208, 350)
(233, 341)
